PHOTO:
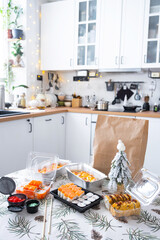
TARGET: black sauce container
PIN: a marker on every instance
(7, 187)
(31, 209)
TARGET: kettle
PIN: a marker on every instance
(2, 97)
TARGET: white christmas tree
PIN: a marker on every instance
(120, 172)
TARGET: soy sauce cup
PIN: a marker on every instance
(32, 206)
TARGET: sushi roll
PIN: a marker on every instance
(89, 194)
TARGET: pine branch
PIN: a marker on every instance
(4, 211)
(62, 210)
(3, 198)
(98, 220)
(20, 226)
(138, 234)
(156, 202)
(149, 220)
(156, 211)
(69, 230)
(96, 235)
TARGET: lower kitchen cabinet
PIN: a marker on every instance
(152, 158)
(78, 127)
(15, 145)
(49, 134)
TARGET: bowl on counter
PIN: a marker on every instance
(61, 97)
(68, 104)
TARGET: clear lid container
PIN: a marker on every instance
(42, 166)
(144, 187)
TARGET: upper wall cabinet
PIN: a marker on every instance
(57, 35)
(151, 56)
(86, 34)
(121, 35)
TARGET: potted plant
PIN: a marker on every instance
(17, 52)
(6, 13)
(16, 31)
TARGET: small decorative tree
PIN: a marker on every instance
(120, 173)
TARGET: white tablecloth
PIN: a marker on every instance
(68, 224)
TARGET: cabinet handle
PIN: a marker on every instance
(145, 58)
(62, 121)
(47, 120)
(30, 125)
(86, 121)
(122, 58)
(116, 60)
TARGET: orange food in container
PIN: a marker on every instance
(34, 189)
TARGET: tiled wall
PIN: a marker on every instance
(97, 86)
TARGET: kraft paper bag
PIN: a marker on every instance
(132, 132)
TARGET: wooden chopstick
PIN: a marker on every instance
(44, 220)
(50, 217)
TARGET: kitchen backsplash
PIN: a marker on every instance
(97, 86)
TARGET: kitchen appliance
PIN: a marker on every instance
(131, 108)
(2, 97)
(102, 105)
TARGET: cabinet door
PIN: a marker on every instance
(152, 162)
(16, 139)
(78, 137)
(151, 50)
(49, 134)
(86, 34)
(57, 35)
(132, 34)
(110, 30)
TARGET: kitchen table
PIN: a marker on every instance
(67, 224)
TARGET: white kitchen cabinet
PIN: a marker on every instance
(151, 51)
(121, 35)
(78, 137)
(16, 141)
(87, 34)
(49, 134)
(152, 157)
(57, 35)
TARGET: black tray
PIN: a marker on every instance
(75, 206)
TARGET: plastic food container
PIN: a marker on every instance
(34, 189)
(94, 185)
(43, 166)
(122, 205)
(144, 187)
(7, 187)
(61, 166)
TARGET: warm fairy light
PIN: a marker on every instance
(37, 10)
(37, 34)
(32, 63)
(100, 76)
(30, 16)
(43, 72)
(39, 38)
(39, 61)
(40, 15)
(32, 76)
(34, 22)
(30, 4)
(68, 81)
(37, 50)
(30, 40)
(38, 45)
(28, 28)
(33, 97)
